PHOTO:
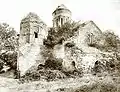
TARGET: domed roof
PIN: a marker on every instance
(61, 7)
(31, 17)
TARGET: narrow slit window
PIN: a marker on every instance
(36, 35)
(61, 21)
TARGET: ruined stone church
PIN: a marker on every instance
(33, 31)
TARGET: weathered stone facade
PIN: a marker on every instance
(83, 55)
(33, 31)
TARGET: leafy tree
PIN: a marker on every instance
(8, 37)
(57, 35)
(111, 41)
(8, 46)
(68, 29)
(108, 41)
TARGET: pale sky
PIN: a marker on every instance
(105, 13)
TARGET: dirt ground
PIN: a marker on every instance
(87, 83)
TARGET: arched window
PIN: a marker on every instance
(36, 34)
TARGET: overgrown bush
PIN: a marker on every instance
(56, 36)
(43, 74)
(54, 63)
(8, 37)
(10, 58)
(109, 42)
(97, 87)
(8, 46)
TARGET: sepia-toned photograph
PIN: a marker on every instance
(59, 45)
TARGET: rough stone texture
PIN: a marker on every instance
(30, 26)
(58, 51)
(83, 55)
(86, 33)
(30, 56)
(33, 31)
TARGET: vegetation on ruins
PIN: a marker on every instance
(56, 36)
(108, 43)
